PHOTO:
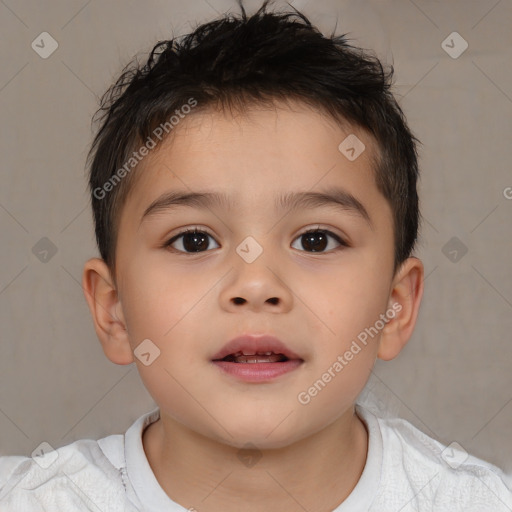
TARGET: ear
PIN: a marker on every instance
(404, 300)
(106, 311)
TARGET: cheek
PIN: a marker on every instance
(351, 303)
(160, 318)
(157, 302)
(171, 312)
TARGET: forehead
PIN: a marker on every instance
(257, 157)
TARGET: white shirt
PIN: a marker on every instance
(405, 471)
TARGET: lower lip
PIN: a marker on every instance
(258, 372)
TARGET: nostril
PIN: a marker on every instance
(240, 300)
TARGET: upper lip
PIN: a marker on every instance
(252, 344)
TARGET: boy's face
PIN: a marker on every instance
(189, 304)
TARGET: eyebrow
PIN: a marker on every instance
(337, 198)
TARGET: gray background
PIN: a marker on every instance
(453, 380)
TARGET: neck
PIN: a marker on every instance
(315, 474)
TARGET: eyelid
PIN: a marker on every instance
(341, 239)
(183, 231)
(326, 229)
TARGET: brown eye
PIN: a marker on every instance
(191, 241)
(317, 240)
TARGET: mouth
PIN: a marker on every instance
(259, 357)
(256, 359)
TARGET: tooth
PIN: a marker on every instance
(248, 352)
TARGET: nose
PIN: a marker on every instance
(256, 286)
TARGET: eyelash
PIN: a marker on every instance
(197, 230)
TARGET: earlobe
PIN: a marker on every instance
(106, 310)
(405, 299)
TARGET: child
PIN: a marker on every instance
(255, 205)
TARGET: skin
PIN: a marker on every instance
(183, 302)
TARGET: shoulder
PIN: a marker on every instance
(78, 476)
(435, 475)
